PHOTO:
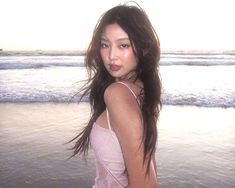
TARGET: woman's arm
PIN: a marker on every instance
(126, 120)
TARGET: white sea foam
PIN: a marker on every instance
(209, 82)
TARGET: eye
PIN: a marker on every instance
(104, 45)
(124, 46)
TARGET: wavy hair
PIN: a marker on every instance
(144, 40)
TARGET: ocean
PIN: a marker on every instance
(39, 114)
(188, 79)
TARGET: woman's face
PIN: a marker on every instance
(117, 53)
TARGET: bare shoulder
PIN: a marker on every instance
(123, 110)
(117, 93)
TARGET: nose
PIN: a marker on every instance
(112, 53)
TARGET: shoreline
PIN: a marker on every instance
(86, 102)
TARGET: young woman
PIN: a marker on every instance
(124, 90)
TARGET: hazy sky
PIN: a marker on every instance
(68, 24)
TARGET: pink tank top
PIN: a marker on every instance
(110, 166)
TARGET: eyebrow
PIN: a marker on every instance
(119, 39)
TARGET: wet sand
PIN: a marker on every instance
(195, 147)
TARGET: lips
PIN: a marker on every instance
(114, 67)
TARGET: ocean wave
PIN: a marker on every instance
(195, 100)
(38, 65)
(196, 61)
(224, 101)
(39, 62)
(35, 62)
(42, 53)
(55, 79)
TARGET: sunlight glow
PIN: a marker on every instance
(68, 25)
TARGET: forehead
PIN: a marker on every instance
(114, 32)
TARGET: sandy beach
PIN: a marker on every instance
(195, 147)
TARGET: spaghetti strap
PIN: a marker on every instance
(128, 88)
(133, 93)
(107, 113)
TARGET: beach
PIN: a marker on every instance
(33, 150)
(39, 114)
(195, 146)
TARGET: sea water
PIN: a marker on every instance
(188, 79)
(195, 145)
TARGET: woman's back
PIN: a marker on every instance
(111, 170)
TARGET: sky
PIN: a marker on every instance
(68, 24)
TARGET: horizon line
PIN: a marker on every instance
(83, 52)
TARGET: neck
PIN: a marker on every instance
(131, 77)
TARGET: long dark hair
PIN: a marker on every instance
(144, 40)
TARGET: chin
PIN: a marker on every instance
(115, 75)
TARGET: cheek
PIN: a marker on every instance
(130, 56)
(103, 54)
(104, 57)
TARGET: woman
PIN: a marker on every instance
(124, 90)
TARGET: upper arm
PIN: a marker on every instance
(126, 120)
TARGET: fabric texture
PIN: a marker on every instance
(110, 166)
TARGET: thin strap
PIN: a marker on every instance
(128, 88)
(130, 91)
(107, 113)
